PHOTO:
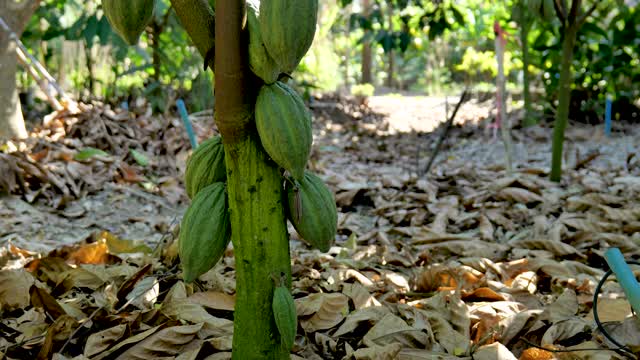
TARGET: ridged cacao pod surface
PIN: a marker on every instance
(128, 18)
(311, 209)
(288, 28)
(205, 231)
(284, 311)
(205, 166)
(284, 126)
(260, 62)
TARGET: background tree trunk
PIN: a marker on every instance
(15, 15)
(366, 47)
(529, 120)
(391, 56)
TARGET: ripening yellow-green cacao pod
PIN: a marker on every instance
(284, 312)
(260, 62)
(205, 166)
(128, 18)
(288, 28)
(205, 231)
(311, 209)
(284, 126)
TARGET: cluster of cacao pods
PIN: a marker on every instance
(205, 230)
(128, 18)
(280, 34)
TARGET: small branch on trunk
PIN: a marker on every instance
(573, 13)
(561, 11)
(583, 18)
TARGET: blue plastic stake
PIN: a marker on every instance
(607, 117)
(182, 109)
(625, 277)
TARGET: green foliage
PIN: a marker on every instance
(364, 90)
(127, 70)
(482, 65)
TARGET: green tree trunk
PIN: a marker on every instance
(366, 77)
(564, 100)
(255, 191)
(261, 246)
(529, 120)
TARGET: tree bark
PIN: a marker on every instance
(16, 15)
(366, 47)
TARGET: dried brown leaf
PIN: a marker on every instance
(495, 351)
(328, 310)
(102, 340)
(214, 300)
(376, 352)
(14, 289)
(168, 342)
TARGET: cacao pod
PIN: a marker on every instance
(311, 209)
(128, 17)
(288, 28)
(284, 312)
(284, 126)
(260, 61)
(205, 231)
(205, 166)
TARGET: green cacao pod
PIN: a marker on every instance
(284, 126)
(128, 17)
(205, 231)
(260, 62)
(311, 209)
(205, 166)
(284, 312)
(288, 28)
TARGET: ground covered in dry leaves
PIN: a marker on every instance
(464, 262)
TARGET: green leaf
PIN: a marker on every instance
(457, 15)
(88, 153)
(591, 27)
(139, 157)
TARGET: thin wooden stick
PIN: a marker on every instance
(445, 132)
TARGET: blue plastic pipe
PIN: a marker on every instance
(182, 109)
(625, 277)
(607, 116)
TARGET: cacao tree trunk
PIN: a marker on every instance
(525, 27)
(255, 192)
(564, 100)
(89, 57)
(366, 47)
(15, 15)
